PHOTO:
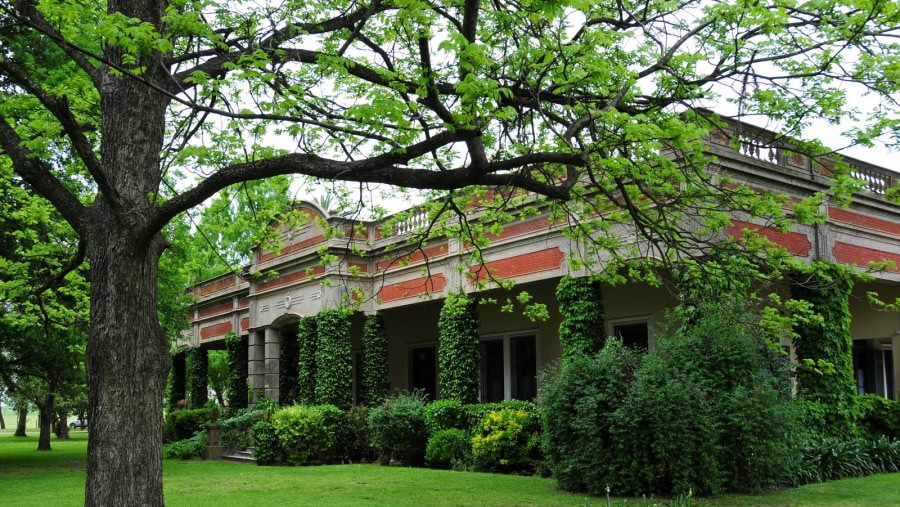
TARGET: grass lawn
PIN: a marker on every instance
(30, 478)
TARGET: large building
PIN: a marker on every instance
(411, 280)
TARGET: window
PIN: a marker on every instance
(634, 333)
(508, 368)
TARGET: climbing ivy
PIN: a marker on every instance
(824, 347)
(458, 354)
(306, 361)
(236, 387)
(334, 368)
(289, 367)
(375, 383)
(581, 331)
(178, 379)
(199, 377)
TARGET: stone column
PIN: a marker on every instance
(256, 369)
(272, 362)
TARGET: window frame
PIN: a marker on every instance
(611, 325)
(506, 338)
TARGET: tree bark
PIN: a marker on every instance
(20, 423)
(61, 416)
(45, 421)
(127, 363)
(2, 421)
(127, 358)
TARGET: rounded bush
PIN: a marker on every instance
(266, 447)
(444, 415)
(398, 430)
(447, 447)
(508, 439)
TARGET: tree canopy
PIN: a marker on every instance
(123, 115)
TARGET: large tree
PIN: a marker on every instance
(164, 103)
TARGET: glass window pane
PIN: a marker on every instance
(523, 362)
(491, 371)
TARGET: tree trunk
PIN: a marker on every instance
(127, 363)
(20, 424)
(2, 421)
(47, 414)
(61, 416)
(127, 358)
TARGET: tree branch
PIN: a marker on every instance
(39, 175)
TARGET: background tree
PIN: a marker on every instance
(217, 373)
(127, 114)
(43, 303)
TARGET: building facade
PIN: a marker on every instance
(409, 281)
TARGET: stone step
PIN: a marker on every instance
(240, 456)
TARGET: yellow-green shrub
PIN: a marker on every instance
(508, 438)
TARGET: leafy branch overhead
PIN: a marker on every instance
(539, 95)
(124, 115)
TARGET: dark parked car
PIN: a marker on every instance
(78, 423)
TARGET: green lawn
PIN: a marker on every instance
(57, 478)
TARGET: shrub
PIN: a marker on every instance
(837, 459)
(474, 414)
(398, 430)
(827, 459)
(301, 432)
(188, 448)
(885, 455)
(664, 435)
(339, 436)
(266, 447)
(358, 446)
(448, 447)
(459, 349)
(879, 416)
(182, 424)
(710, 410)
(508, 439)
(444, 415)
(578, 404)
(236, 430)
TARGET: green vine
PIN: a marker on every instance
(458, 354)
(306, 361)
(178, 382)
(581, 332)
(333, 359)
(238, 357)
(375, 383)
(199, 377)
(289, 367)
(824, 347)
